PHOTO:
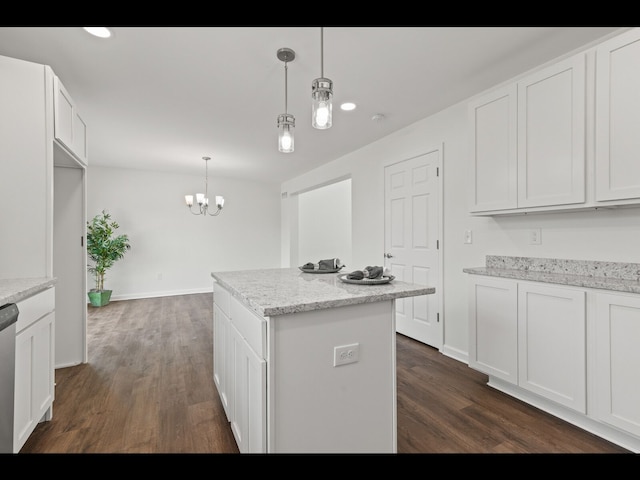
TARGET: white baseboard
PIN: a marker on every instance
(170, 293)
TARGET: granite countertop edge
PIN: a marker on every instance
(14, 290)
(372, 293)
(586, 281)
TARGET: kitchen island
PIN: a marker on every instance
(305, 363)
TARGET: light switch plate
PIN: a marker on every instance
(468, 236)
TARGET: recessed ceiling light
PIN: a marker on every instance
(102, 32)
(348, 106)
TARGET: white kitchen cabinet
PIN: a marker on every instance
(493, 150)
(309, 376)
(34, 377)
(551, 135)
(221, 332)
(493, 327)
(239, 371)
(530, 335)
(618, 118)
(527, 141)
(552, 343)
(69, 127)
(249, 421)
(617, 360)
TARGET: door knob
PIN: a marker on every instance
(388, 255)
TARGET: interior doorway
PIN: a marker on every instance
(324, 223)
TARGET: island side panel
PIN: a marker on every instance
(317, 407)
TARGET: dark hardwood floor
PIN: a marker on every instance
(148, 388)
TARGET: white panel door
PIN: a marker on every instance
(412, 237)
(70, 265)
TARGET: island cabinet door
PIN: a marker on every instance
(221, 361)
(618, 358)
(249, 421)
(552, 343)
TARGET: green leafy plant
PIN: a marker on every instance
(104, 247)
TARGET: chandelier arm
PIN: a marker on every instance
(215, 214)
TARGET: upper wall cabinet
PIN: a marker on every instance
(494, 165)
(527, 141)
(618, 118)
(69, 127)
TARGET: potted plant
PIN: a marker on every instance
(104, 248)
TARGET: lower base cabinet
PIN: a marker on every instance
(552, 343)
(618, 358)
(240, 373)
(570, 351)
(34, 378)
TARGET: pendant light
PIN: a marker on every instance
(286, 121)
(321, 93)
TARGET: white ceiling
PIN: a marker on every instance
(163, 97)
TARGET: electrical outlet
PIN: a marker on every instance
(467, 236)
(346, 354)
(535, 236)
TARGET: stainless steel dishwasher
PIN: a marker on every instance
(8, 319)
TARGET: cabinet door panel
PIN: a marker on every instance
(34, 382)
(552, 343)
(249, 396)
(493, 120)
(618, 118)
(551, 135)
(68, 126)
(493, 327)
(618, 357)
(221, 357)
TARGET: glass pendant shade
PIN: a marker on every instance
(286, 127)
(321, 106)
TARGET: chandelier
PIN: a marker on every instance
(202, 199)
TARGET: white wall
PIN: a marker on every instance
(324, 223)
(168, 241)
(606, 235)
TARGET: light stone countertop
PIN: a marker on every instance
(614, 276)
(278, 291)
(13, 290)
